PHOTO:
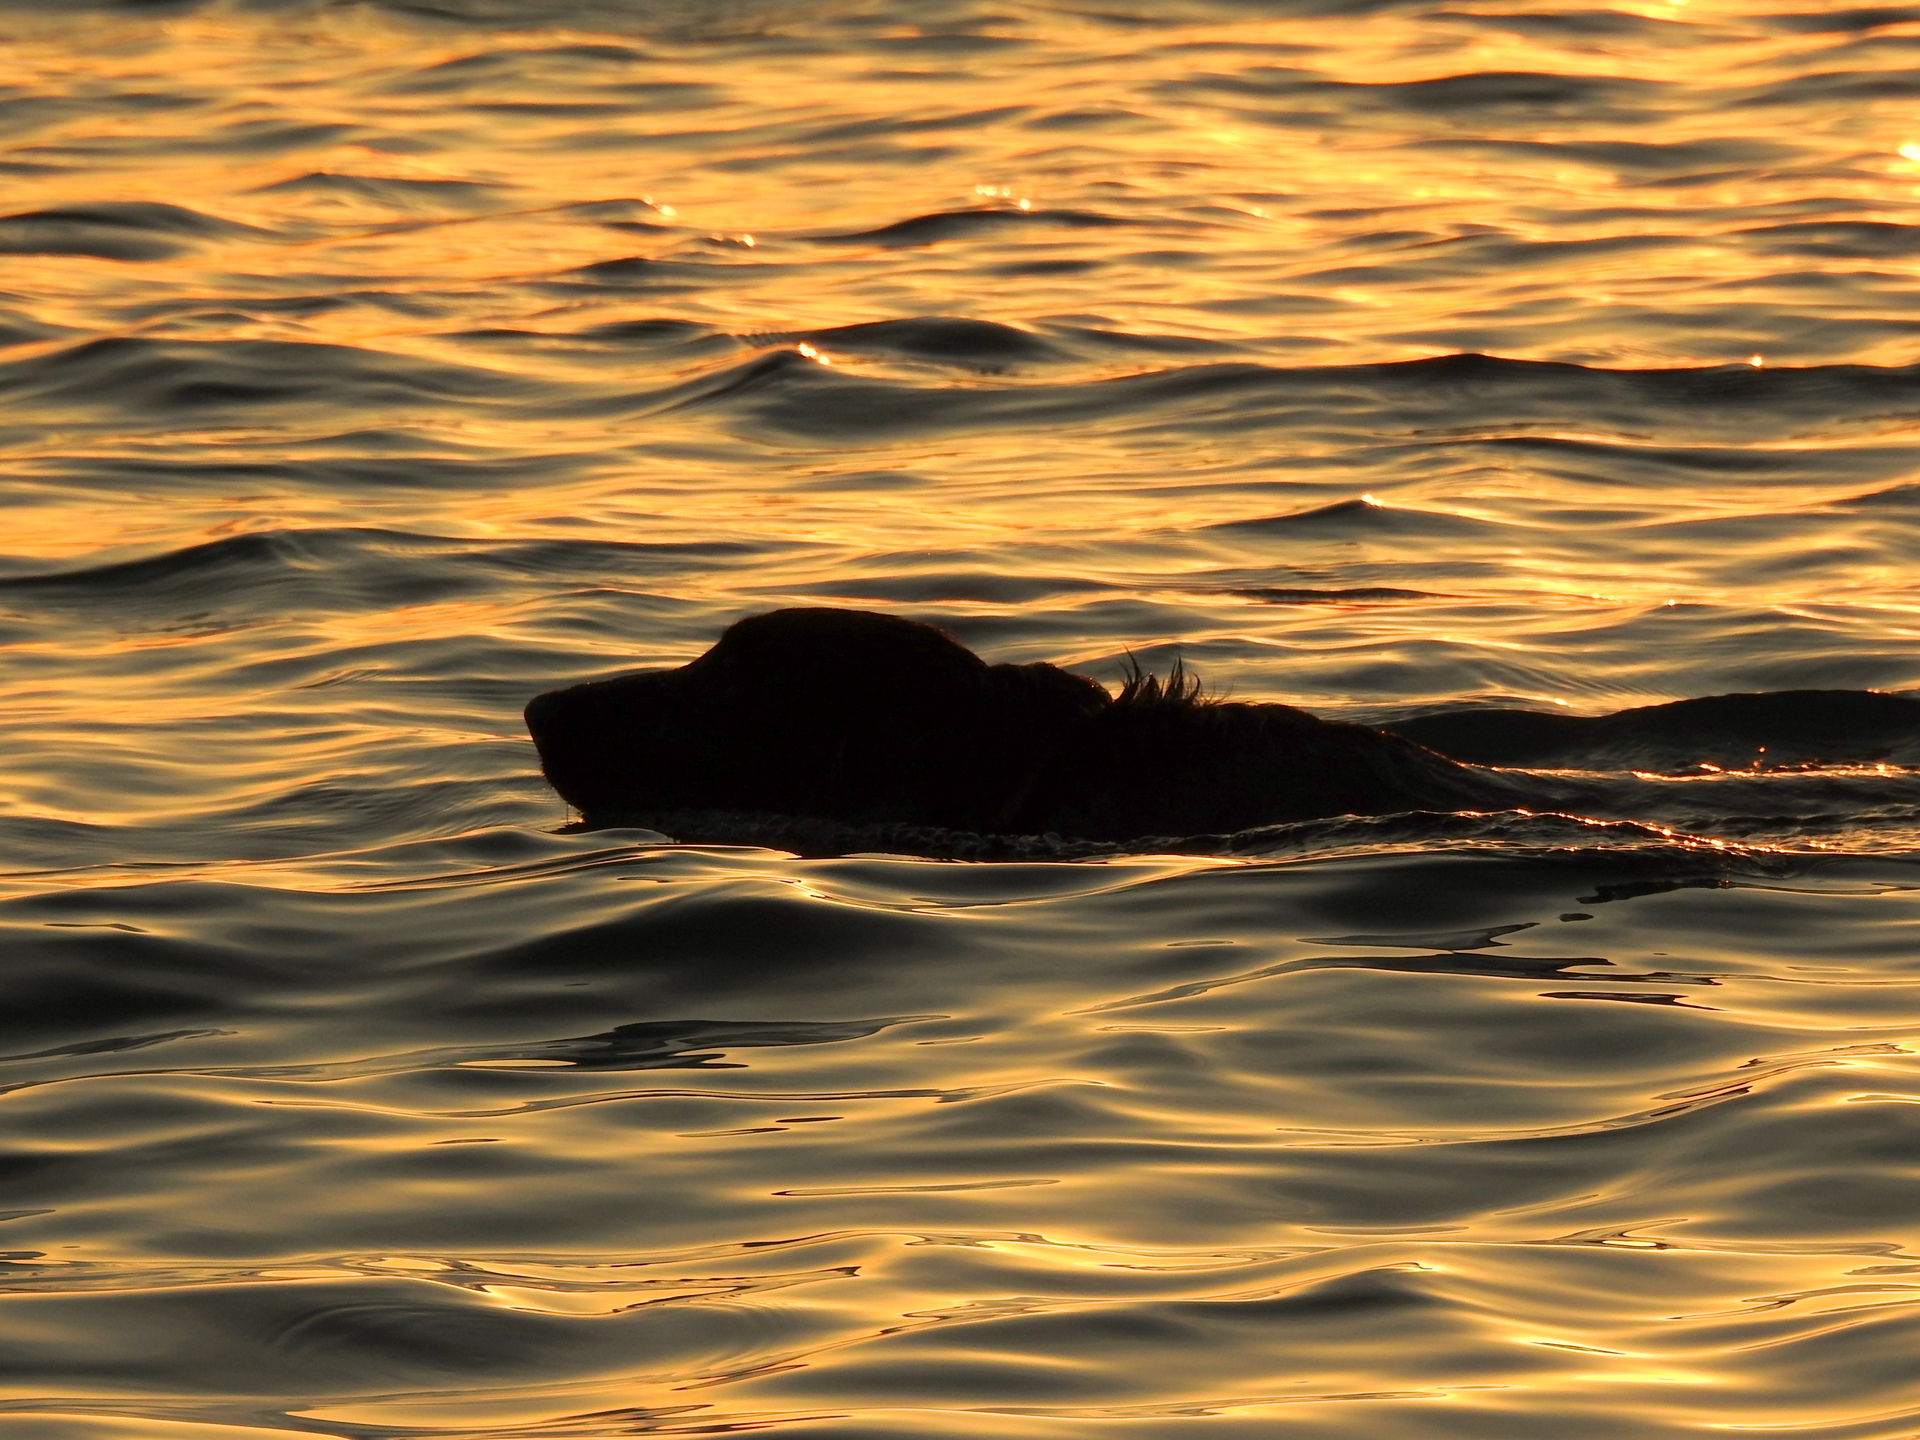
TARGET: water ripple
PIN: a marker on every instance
(365, 370)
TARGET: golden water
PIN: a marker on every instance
(370, 368)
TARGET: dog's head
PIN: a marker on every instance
(842, 714)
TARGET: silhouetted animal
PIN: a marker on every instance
(862, 718)
(1771, 730)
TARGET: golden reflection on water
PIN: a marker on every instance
(492, 164)
(1297, 1185)
(454, 191)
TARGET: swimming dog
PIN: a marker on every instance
(870, 719)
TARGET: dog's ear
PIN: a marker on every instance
(1033, 714)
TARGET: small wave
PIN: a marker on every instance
(1839, 86)
(1487, 96)
(116, 230)
(1464, 396)
(401, 1338)
(1590, 96)
(971, 344)
(1405, 832)
(396, 192)
(1894, 497)
(1361, 518)
(1362, 595)
(980, 586)
(168, 379)
(965, 224)
(270, 572)
(1846, 239)
(641, 1045)
(327, 474)
(1634, 158)
(686, 336)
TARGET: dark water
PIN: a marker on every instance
(368, 369)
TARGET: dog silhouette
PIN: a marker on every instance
(865, 718)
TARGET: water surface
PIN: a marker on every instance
(367, 369)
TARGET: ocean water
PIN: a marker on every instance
(369, 368)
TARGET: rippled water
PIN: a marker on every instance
(368, 369)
